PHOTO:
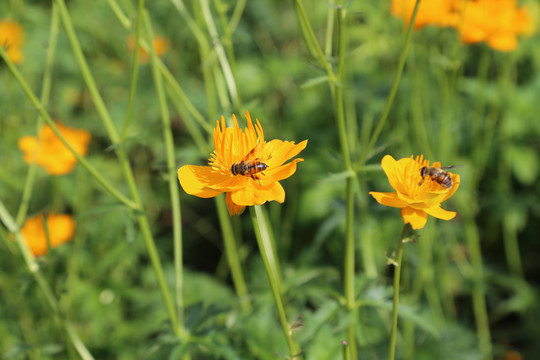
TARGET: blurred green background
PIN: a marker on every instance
(458, 104)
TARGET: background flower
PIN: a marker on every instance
(49, 150)
(417, 197)
(12, 39)
(60, 228)
(161, 46)
(434, 12)
(232, 146)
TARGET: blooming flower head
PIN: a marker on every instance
(433, 12)
(497, 22)
(418, 193)
(60, 229)
(161, 46)
(243, 166)
(12, 39)
(49, 150)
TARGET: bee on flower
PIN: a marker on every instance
(420, 189)
(243, 166)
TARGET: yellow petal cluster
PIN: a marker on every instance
(416, 196)
(432, 12)
(60, 229)
(497, 22)
(161, 46)
(50, 152)
(232, 146)
(12, 39)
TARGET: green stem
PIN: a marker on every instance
(395, 301)
(222, 56)
(393, 90)
(45, 95)
(39, 106)
(267, 254)
(34, 269)
(479, 297)
(124, 163)
(173, 183)
(231, 252)
(134, 65)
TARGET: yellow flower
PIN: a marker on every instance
(50, 152)
(244, 166)
(161, 46)
(433, 12)
(416, 196)
(497, 22)
(12, 39)
(60, 228)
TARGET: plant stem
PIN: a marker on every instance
(45, 94)
(39, 106)
(173, 183)
(266, 248)
(395, 302)
(34, 269)
(393, 90)
(231, 252)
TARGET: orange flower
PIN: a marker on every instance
(12, 38)
(497, 22)
(244, 166)
(433, 12)
(416, 196)
(60, 229)
(161, 46)
(50, 152)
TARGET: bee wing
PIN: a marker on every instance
(450, 167)
(252, 155)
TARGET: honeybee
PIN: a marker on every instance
(249, 166)
(438, 174)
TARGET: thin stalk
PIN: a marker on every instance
(345, 353)
(173, 183)
(267, 255)
(39, 106)
(478, 293)
(311, 40)
(395, 301)
(222, 57)
(134, 65)
(237, 14)
(350, 251)
(34, 269)
(393, 90)
(87, 75)
(45, 95)
(231, 252)
(124, 164)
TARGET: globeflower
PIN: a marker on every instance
(60, 229)
(161, 46)
(12, 39)
(417, 196)
(433, 12)
(243, 166)
(50, 152)
(497, 22)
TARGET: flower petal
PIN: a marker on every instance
(438, 212)
(279, 173)
(232, 207)
(196, 179)
(282, 151)
(388, 199)
(417, 218)
(257, 195)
